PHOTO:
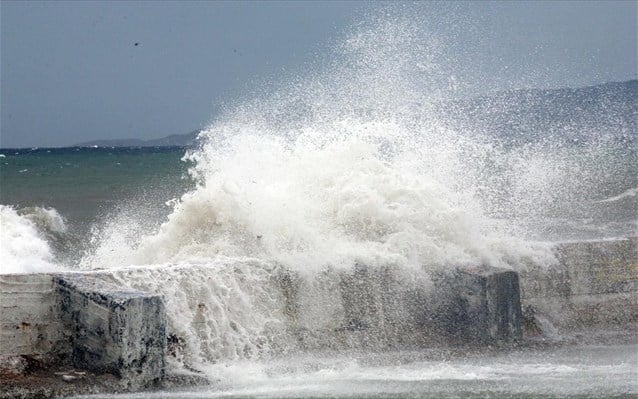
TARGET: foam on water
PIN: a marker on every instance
(225, 309)
(231, 309)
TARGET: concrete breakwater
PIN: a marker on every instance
(83, 322)
(90, 322)
(594, 286)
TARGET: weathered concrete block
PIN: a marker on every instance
(113, 330)
(595, 284)
(363, 307)
(479, 305)
(380, 308)
(603, 267)
(29, 323)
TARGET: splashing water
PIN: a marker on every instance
(363, 162)
(23, 239)
(349, 165)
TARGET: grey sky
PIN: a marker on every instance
(71, 72)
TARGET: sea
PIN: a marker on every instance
(373, 159)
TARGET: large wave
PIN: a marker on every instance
(348, 165)
(351, 165)
(25, 239)
(360, 162)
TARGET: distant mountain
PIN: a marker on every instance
(174, 140)
(607, 111)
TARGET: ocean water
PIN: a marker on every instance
(369, 160)
(59, 196)
(85, 183)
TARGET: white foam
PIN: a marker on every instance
(308, 206)
(225, 309)
(625, 194)
(23, 248)
(576, 371)
(346, 166)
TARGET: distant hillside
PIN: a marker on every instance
(174, 140)
(608, 111)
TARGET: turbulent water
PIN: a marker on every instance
(580, 372)
(370, 160)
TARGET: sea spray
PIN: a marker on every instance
(350, 164)
(225, 309)
(327, 208)
(347, 180)
(231, 309)
(310, 206)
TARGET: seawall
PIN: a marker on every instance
(89, 322)
(594, 287)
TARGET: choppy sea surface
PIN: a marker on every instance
(86, 183)
(54, 199)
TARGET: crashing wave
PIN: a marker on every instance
(23, 239)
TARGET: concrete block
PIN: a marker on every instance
(383, 308)
(375, 308)
(595, 284)
(29, 323)
(114, 330)
(479, 305)
(603, 267)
